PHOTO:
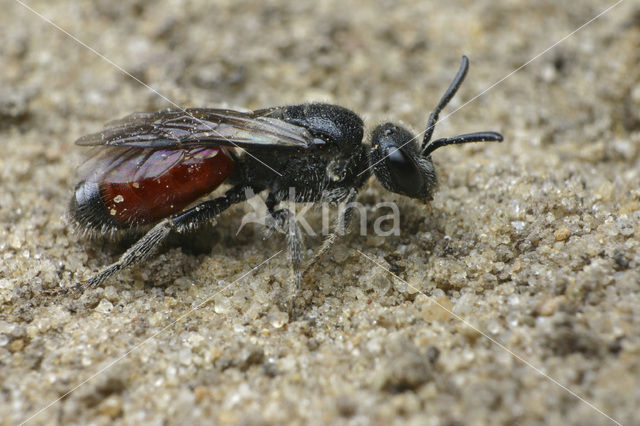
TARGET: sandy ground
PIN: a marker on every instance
(532, 245)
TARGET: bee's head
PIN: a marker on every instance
(401, 165)
(398, 165)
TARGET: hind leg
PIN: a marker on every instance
(153, 239)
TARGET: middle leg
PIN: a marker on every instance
(284, 219)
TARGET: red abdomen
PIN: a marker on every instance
(131, 187)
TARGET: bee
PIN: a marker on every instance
(152, 168)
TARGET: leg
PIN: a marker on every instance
(180, 222)
(285, 220)
(344, 219)
(450, 93)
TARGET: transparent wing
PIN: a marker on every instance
(175, 128)
(128, 164)
(123, 165)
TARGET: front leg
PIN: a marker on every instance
(342, 224)
(181, 222)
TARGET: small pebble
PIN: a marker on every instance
(104, 307)
(16, 345)
(562, 234)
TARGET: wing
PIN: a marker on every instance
(176, 128)
(127, 165)
(118, 165)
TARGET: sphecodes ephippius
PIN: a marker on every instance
(149, 167)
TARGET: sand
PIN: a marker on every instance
(531, 248)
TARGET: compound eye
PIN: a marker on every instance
(397, 162)
(402, 169)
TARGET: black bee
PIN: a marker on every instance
(151, 166)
